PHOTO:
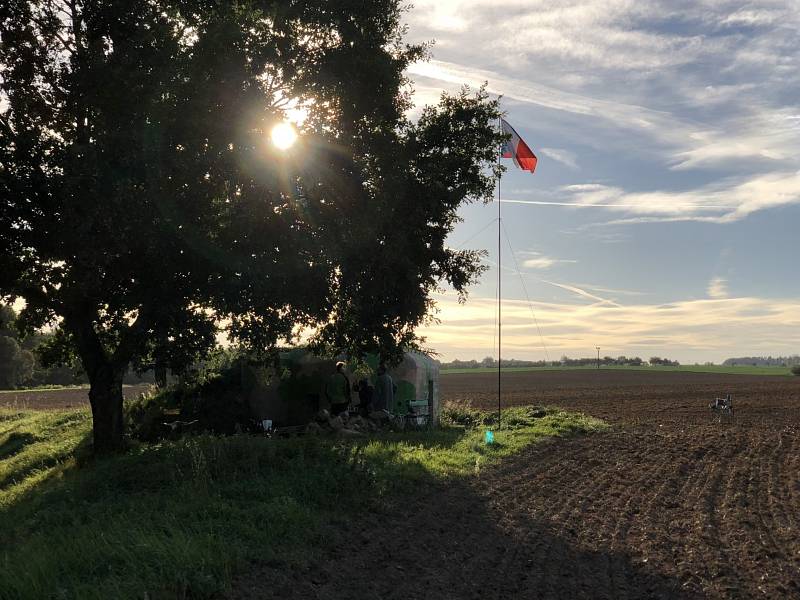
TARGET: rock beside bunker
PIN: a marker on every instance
(379, 416)
(355, 425)
(349, 433)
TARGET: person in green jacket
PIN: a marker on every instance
(338, 390)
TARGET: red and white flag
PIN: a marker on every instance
(517, 149)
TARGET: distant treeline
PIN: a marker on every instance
(763, 361)
(565, 361)
(21, 362)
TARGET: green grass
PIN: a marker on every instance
(178, 519)
(682, 368)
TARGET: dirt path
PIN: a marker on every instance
(668, 504)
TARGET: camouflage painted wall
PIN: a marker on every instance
(296, 393)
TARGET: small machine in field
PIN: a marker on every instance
(722, 408)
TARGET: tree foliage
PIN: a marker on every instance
(144, 211)
(16, 364)
(38, 358)
(16, 359)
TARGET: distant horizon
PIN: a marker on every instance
(696, 331)
(644, 359)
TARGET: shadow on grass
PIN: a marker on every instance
(453, 541)
(36, 442)
(14, 443)
(178, 518)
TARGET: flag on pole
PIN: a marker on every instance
(517, 149)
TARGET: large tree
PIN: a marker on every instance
(142, 208)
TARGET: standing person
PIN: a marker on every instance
(384, 390)
(338, 390)
(366, 393)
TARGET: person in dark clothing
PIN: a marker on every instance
(338, 390)
(366, 393)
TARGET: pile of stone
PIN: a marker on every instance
(347, 425)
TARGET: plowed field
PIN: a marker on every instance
(712, 507)
(667, 504)
(636, 396)
(77, 397)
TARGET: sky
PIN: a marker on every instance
(662, 218)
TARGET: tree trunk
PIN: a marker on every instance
(105, 396)
(160, 366)
(105, 370)
(160, 375)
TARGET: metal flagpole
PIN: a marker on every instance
(499, 291)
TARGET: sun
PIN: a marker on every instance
(283, 136)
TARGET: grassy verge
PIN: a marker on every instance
(177, 519)
(682, 368)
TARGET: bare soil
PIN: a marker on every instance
(669, 503)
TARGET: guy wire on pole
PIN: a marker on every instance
(499, 291)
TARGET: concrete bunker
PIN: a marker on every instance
(294, 392)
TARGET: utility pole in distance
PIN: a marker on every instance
(598, 357)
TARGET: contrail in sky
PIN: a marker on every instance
(640, 206)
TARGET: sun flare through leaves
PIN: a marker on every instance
(283, 136)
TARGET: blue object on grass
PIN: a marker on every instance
(489, 437)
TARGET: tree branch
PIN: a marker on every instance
(64, 42)
(130, 338)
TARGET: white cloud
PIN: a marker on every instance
(577, 291)
(583, 187)
(443, 16)
(721, 202)
(658, 123)
(598, 34)
(538, 260)
(599, 288)
(610, 61)
(770, 135)
(717, 288)
(581, 293)
(752, 17)
(563, 156)
(543, 262)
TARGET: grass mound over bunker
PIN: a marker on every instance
(179, 519)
